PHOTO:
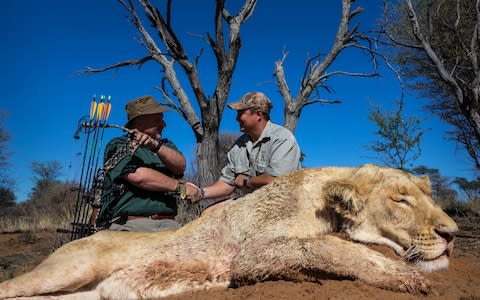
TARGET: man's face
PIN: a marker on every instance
(248, 119)
(151, 124)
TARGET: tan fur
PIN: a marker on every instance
(281, 231)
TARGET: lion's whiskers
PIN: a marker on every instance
(413, 254)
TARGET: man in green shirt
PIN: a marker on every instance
(141, 189)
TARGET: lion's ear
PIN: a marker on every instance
(344, 197)
(423, 182)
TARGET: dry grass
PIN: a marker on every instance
(53, 209)
(33, 223)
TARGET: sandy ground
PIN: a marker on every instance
(20, 252)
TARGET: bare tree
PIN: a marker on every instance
(317, 72)
(441, 53)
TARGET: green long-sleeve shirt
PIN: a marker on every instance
(120, 198)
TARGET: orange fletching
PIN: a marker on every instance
(100, 110)
(106, 110)
(93, 108)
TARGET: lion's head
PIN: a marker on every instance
(394, 208)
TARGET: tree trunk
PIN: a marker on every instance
(475, 117)
(207, 158)
(291, 119)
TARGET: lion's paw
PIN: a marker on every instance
(415, 283)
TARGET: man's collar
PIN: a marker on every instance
(265, 132)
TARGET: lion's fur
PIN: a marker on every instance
(280, 231)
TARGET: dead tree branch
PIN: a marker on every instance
(316, 75)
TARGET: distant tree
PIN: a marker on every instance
(470, 188)
(5, 180)
(400, 137)
(438, 49)
(7, 197)
(441, 185)
(49, 170)
(45, 174)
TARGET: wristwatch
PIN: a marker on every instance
(245, 181)
(161, 142)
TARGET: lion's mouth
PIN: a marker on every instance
(417, 252)
(448, 251)
(438, 262)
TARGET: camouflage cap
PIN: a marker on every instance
(255, 100)
(145, 105)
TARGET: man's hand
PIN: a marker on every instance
(241, 181)
(143, 139)
(193, 192)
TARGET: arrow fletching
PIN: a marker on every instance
(100, 111)
(93, 108)
(106, 110)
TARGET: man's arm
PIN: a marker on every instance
(151, 180)
(217, 190)
(242, 181)
(172, 159)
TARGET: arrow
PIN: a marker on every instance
(93, 108)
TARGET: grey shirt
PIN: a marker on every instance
(275, 153)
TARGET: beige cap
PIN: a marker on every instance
(254, 100)
(145, 105)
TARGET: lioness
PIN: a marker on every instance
(281, 231)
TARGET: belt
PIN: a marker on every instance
(153, 217)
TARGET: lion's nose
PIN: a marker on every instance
(447, 230)
(445, 225)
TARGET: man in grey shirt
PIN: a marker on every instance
(265, 151)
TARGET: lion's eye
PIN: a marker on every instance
(404, 201)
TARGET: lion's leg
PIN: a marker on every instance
(162, 278)
(91, 295)
(63, 270)
(320, 258)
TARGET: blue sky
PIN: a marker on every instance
(44, 44)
